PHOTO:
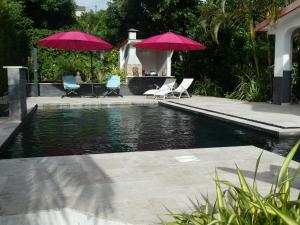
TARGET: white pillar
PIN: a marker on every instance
(283, 52)
(283, 65)
(169, 63)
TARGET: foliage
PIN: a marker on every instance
(17, 17)
(93, 23)
(226, 27)
(50, 14)
(13, 38)
(53, 63)
(243, 204)
(207, 87)
(252, 87)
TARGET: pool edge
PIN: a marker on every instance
(256, 125)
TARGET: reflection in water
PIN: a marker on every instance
(130, 128)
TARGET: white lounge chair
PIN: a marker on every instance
(167, 86)
(180, 90)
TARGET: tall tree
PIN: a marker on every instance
(148, 16)
(239, 13)
(13, 37)
(50, 14)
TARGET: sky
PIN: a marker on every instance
(92, 4)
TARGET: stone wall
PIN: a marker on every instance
(134, 86)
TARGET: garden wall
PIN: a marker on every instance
(134, 86)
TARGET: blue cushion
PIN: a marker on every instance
(113, 82)
(70, 82)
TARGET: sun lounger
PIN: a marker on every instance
(180, 91)
(168, 85)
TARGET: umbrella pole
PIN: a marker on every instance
(92, 74)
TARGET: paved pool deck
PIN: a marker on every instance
(134, 188)
(122, 188)
(281, 120)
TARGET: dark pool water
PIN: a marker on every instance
(66, 131)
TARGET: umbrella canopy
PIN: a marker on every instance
(169, 41)
(74, 40)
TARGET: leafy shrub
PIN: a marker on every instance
(13, 38)
(112, 71)
(207, 87)
(252, 87)
(54, 62)
(243, 204)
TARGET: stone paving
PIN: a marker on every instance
(134, 188)
(8, 127)
(90, 101)
(121, 188)
(279, 119)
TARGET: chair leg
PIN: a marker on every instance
(69, 92)
(187, 93)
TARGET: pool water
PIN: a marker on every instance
(69, 131)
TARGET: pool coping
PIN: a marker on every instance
(14, 126)
(240, 121)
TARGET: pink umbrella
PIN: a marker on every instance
(169, 41)
(74, 40)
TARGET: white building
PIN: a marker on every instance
(141, 62)
(80, 10)
(284, 29)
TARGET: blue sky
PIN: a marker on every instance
(91, 4)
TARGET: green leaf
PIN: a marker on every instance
(256, 169)
(287, 161)
(219, 194)
(286, 218)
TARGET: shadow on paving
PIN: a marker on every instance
(289, 109)
(265, 176)
(31, 185)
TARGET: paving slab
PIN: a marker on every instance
(122, 188)
(86, 101)
(283, 120)
(8, 127)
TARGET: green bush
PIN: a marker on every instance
(252, 87)
(207, 87)
(112, 71)
(53, 63)
(13, 38)
(243, 204)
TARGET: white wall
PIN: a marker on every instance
(157, 61)
(283, 31)
(148, 60)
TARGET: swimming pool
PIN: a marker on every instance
(68, 131)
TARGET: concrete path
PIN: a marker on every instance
(280, 119)
(90, 101)
(121, 188)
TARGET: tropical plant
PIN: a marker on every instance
(243, 204)
(252, 87)
(13, 37)
(207, 87)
